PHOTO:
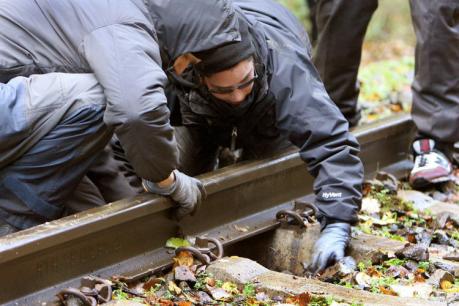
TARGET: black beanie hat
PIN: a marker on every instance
(227, 56)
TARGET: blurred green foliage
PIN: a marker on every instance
(300, 9)
(391, 20)
(388, 63)
(381, 79)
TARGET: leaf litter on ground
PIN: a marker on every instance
(188, 283)
(407, 272)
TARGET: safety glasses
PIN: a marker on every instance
(228, 90)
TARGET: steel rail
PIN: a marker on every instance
(127, 237)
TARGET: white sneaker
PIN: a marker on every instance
(430, 166)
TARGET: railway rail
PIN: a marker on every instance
(128, 237)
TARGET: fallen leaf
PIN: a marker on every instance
(210, 281)
(302, 299)
(172, 287)
(387, 291)
(411, 237)
(452, 290)
(219, 294)
(175, 243)
(363, 280)
(164, 302)
(370, 205)
(230, 287)
(419, 278)
(373, 272)
(396, 108)
(184, 258)
(446, 285)
(152, 282)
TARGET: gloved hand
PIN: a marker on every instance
(330, 246)
(186, 191)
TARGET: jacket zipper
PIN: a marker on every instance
(233, 139)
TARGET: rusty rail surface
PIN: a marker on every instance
(127, 237)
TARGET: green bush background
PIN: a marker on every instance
(391, 20)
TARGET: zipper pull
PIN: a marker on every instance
(233, 139)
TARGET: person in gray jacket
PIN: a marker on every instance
(262, 95)
(53, 126)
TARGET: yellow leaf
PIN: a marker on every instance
(172, 287)
(444, 284)
(230, 287)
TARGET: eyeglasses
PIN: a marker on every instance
(228, 90)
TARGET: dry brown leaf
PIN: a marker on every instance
(302, 299)
(163, 302)
(151, 299)
(387, 291)
(366, 189)
(373, 272)
(152, 282)
(396, 108)
(449, 225)
(411, 238)
(184, 258)
(211, 281)
(418, 277)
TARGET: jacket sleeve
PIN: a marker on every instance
(312, 122)
(126, 61)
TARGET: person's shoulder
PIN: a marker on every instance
(110, 12)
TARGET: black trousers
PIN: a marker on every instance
(341, 26)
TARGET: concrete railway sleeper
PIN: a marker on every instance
(127, 237)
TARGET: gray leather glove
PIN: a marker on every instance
(330, 246)
(186, 191)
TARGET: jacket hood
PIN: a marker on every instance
(185, 26)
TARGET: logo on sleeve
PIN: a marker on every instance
(332, 195)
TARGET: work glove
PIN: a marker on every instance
(186, 191)
(330, 246)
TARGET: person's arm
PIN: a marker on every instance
(126, 61)
(311, 121)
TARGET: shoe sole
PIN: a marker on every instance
(423, 183)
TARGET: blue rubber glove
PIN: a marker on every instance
(330, 246)
(186, 191)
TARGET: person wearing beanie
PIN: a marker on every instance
(262, 95)
(227, 56)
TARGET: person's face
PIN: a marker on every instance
(233, 85)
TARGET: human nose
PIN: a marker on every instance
(237, 96)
